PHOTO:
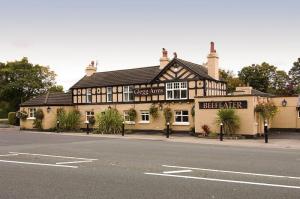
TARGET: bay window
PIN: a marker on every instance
(176, 90)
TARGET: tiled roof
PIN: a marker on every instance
(59, 99)
(119, 77)
(260, 93)
(134, 76)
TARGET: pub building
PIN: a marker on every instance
(183, 86)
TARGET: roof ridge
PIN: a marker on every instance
(127, 69)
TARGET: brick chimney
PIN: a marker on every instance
(91, 69)
(164, 60)
(213, 62)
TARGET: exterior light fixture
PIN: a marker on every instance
(48, 109)
(284, 103)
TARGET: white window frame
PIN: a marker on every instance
(89, 97)
(145, 114)
(179, 113)
(127, 92)
(171, 87)
(127, 119)
(31, 113)
(89, 114)
(109, 94)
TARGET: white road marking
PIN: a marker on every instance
(234, 172)
(54, 156)
(9, 155)
(222, 180)
(74, 162)
(40, 164)
(178, 171)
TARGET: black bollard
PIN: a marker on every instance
(266, 133)
(123, 129)
(221, 132)
(168, 130)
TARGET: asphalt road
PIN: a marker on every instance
(61, 166)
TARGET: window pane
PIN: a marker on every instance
(176, 94)
(178, 118)
(169, 95)
(185, 118)
(183, 94)
(185, 113)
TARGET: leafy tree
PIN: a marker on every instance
(259, 77)
(57, 88)
(231, 79)
(21, 80)
(294, 75)
(280, 83)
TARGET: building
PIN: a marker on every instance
(183, 86)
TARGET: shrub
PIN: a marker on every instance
(22, 115)
(206, 129)
(168, 114)
(154, 111)
(132, 114)
(92, 120)
(68, 120)
(230, 120)
(110, 122)
(38, 122)
(12, 118)
(267, 110)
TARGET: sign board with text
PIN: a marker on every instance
(242, 104)
(149, 91)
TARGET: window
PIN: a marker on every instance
(176, 90)
(32, 112)
(109, 94)
(88, 115)
(88, 95)
(128, 93)
(145, 116)
(182, 117)
(127, 118)
(299, 113)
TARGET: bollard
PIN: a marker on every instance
(57, 126)
(266, 133)
(221, 132)
(123, 128)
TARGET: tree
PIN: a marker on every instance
(57, 88)
(231, 79)
(21, 80)
(260, 77)
(280, 83)
(294, 75)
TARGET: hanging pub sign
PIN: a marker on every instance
(149, 91)
(243, 104)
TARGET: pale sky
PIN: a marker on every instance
(67, 34)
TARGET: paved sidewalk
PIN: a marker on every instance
(257, 143)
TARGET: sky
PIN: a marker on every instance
(67, 35)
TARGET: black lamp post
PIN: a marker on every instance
(87, 127)
(221, 131)
(168, 130)
(266, 132)
(123, 128)
(57, 126)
